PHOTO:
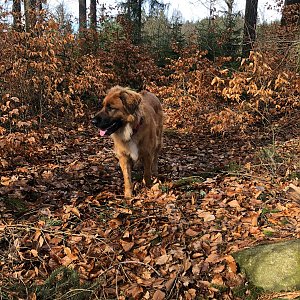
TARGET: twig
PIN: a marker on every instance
(26, 227)
(66, 296)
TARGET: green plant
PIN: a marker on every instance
(63, 283)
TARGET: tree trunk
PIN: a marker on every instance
(40, 5)
(135, 16)
(139, 23)
(133, 11)
(93, 14)
(82, 15)
(17, 23)
(229, 4)
(30, 14)
(249, 26)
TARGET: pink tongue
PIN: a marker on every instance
(102, 132)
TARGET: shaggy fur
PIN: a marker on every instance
(135, 123)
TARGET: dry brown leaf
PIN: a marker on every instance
(191, 232)
(115, 223)
(34, 252)
(37, 234)
(293, 192)
(6, 181)
(213, 258)
(234, 204)
(162, 260)
(186, 264)
(41, 241)
(69, 253)
(217, 279)
(66, 261)
(75, 211)
(219, 269)
(127, 246)
(169, 284)
(196, 269)
(207, 216)
(231, 263)
(190, 294)
(159, 295)
(134, 290)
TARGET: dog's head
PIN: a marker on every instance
(119, 108)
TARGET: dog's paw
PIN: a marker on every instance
(128, 194)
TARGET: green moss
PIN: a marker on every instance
(233, 167)
(17, 206)
(273, 267)
(249, 292)
(268, 233)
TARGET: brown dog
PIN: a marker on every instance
(135, 123)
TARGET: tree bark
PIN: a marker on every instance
(93, 14)
(17, 23)
(82, 15)
(133, 11)
(139, 22)
(249, 26)
(30, 14)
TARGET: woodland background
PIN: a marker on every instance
(229, 168)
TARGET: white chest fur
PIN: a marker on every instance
(126, 133)
(133, 150)
(124, 144)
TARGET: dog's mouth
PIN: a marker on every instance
(111, 128)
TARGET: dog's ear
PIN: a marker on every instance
(131, 101)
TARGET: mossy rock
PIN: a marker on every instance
(273, 267)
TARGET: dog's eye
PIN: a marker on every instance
(109, 108)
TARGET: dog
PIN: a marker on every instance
(135, 123)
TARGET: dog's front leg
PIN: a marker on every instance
(147, 170)
(125, 163)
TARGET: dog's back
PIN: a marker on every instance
(152, 100)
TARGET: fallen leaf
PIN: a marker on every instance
(34, 252)
(75, 211)
(207, 216)
(169, 284)
(69, 253)
(213, 258)
(231, 264)
(190, 294)
(234, 204)
(217, 279)
(293, 192)
(191, 232)
(159, 295)
(127, 246)
(162, 260)
(134, 290)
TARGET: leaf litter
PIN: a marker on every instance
(62, 207)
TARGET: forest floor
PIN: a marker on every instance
(61, 205)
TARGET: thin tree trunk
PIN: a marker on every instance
(40, 5)
(82, 15)
(139, 22)
(249, 26)
(93, 14)
(17, 23)
(30, 14)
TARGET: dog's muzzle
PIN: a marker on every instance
(107, 126)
